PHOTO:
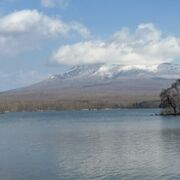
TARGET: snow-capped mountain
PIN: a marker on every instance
(100, 83)
(106, 71)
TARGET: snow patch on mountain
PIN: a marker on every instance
(112, 71)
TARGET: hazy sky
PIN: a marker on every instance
(43, 37)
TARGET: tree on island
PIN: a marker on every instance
(170, 99)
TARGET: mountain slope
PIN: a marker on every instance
(98, 85)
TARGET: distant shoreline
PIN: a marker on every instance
(29, 107)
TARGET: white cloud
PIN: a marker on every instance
(53, 3)
(31, 21)
(146, 45)
(24, 30)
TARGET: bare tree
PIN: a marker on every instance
(170, 99)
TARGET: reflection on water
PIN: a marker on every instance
(113, 144)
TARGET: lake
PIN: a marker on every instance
(101, 144)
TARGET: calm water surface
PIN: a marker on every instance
(111, 144)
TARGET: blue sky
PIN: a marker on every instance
(43, 37)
